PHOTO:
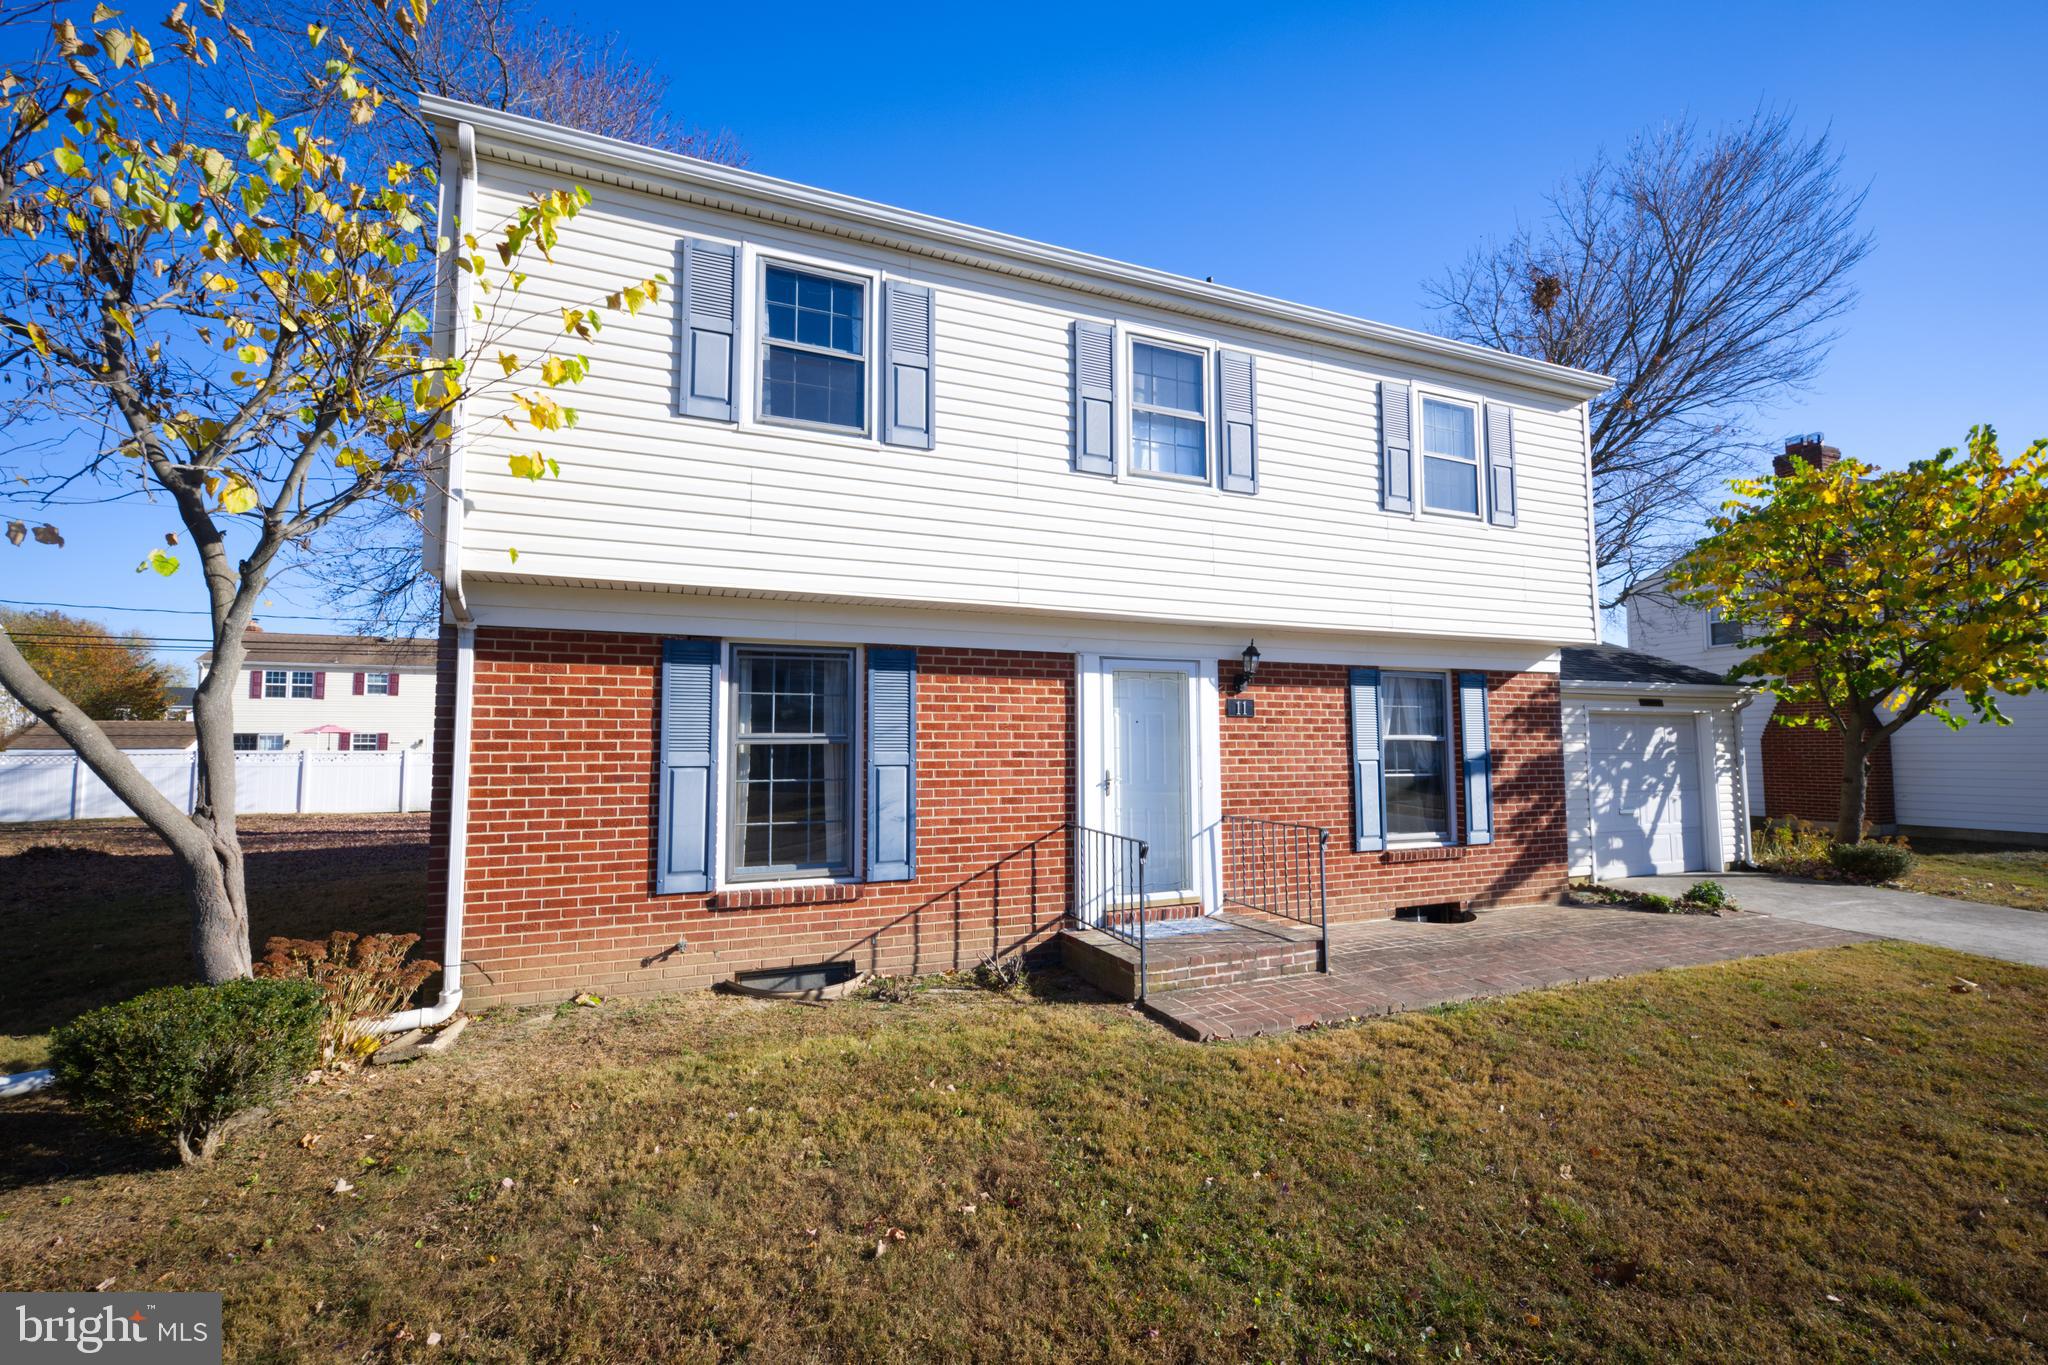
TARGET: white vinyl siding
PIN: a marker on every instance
(406, 719)
(1981, 777)
(994, 518)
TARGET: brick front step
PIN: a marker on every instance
(1237, 950)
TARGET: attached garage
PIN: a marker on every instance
(1653, 765)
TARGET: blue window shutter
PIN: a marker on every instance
(1237, 383)
(710, 321)
(1368, 782)
(1094, 398)
(892, 765)
(1397, 460)
(907, 346)
(1500, 462)
(689, 710)
(1475, 741)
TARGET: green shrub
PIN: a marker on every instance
(1650, 900)
(1872, 861)
(1707, 893)
(182, 1062)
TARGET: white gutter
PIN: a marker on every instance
(749, 192)
(458, 853)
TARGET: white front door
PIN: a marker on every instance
(1647, 807)
(1148, 771)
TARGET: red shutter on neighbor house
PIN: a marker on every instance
(256, 683)
(347, 741)
(320, 685)
(383, 741)
(394, 684)
(359, 684)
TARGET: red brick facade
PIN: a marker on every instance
(1803, 774)
(1291, 760)
(562, 819)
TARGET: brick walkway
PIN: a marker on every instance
(1384, 966)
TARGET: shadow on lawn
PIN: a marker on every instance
(95, 915)
(42, 1140)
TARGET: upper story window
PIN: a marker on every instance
(792, 738)
(1169, 425)
(278, 682)
(377, 684)
(1417, 744)
(1450, 457)
(1720, 632)
(302, 684)
(814, 367)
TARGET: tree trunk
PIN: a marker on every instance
(220, 914)
(1856, 753)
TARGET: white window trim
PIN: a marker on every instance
(355, 748)
(1453, 766)
(1423, 455)
(284, 677)
(727, 733)
(1205, 361)
(753, 343)
(377, 684)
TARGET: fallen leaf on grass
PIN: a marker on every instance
(343, 1187)
(433, 1338)
(104, 1285)
(1963, 985)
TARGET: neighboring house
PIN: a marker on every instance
(1983, 781)
(178, 703)
(887, 548)
(344, 693)
(135, 736)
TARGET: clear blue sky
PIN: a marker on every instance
(1340, 155)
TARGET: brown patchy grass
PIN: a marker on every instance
(1825, 1155)
(92, 912)
(1974, 872)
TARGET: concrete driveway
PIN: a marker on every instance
(1989, 930)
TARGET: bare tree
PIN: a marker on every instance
(1704, 271)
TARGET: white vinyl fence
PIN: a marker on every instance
(56, 786)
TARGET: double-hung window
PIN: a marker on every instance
(250, 744)
(277, 682)
(363, 743)
(813, 363)
(1720, 632)
(302, 684)
(1169, 423)
(1417, 747)
(792, 742)
(377, 684)
(1450, 457)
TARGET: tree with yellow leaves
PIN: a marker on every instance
(1871, 598)
(216, 309)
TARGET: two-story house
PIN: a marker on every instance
(1983, 781)
(333, 693)
(901, 576)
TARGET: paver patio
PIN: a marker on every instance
(1385, 966)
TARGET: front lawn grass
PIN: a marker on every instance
(1836, 1154)
(1975, 872)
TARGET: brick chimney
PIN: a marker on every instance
(1806, 449)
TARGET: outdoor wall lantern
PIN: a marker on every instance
(1251, 666)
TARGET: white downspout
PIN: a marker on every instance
(458, 853)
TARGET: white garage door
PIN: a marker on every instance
(1646, 796)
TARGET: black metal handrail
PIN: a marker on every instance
(1109, 887)
(1279, 869)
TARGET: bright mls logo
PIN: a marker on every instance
(167, 1329)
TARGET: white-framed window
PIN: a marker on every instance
(250, 744)
(1450, 457)
(302, 684)
(814, 370)
(362, 743)
(789, 797)
(377, 684)
(1169, 411)
(1416, 749)
(1723, 634)
(277, 682)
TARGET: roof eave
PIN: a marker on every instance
(749, 191)
(1729, 690)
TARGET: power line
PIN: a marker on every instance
(164, 611)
